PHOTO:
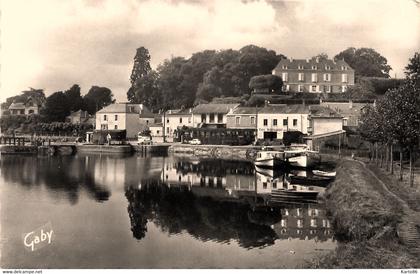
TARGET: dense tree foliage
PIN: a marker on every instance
(74, 99)
(366, 62)
(394, 120)
(181, 82)
(412, 70)
(56, 107)
(141, 65)
(321, 56)
(98, 98)
(272, 83)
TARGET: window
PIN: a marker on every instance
(285, 122)
(265, 122)
(314, 77)
(275, 122)
(314, 67)
(131, 109)
(344, 88)
(287, 88)
(105, 118)
(284, 67)
(220, 117)
(116, 127)
(284, 76)
(211, 118)
(327, 88)
(237, 120)
(294, 122)
(157, 132)
(344, 78)
(252, 120)
(189, 120)
(327, 68)
(116, 117)
(300, 67)
(180, 120)
(327, 77)
(167, 121)
(314, 88)
(203, 118)
(300, 88)
(343, 68)
(104, 127)
(147, 122)
(301, 77)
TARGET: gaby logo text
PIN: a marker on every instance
(38, 238)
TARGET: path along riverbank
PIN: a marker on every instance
(376, 225)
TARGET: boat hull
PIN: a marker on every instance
(268, 162)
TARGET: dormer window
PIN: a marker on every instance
(343, 68)
(327, 68)
(300, 67)
(284, 67)
(314, 67)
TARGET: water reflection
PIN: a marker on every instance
(65, 177)
(223, 201)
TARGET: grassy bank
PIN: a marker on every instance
(364, 218)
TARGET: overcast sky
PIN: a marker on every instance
(53, 44)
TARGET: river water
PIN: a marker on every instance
(153, 212)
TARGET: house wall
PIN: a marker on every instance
(111, 123)
(197, 119)
(172, 122)
(302, 123)
(326, 125)
(244, 121)
(335, 84)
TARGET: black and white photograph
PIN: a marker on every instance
(138, 135)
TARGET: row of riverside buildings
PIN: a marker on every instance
(228, 123)
(213, 123)
(225, 123)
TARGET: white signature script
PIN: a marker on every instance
(38, 238)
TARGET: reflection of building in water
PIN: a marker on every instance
(208, 175)
(304, 221)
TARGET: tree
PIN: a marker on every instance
(145, 91)
(321, 57)
(74, 99)
(272, 83)
(141, 65)
(97, 98)
(412, 70)
(365, 62)
(56, 107)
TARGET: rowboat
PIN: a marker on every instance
(330, 174)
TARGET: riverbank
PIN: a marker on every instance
(216, 151)
(366, 217)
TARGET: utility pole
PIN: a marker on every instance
(256, 124)
(164, 126)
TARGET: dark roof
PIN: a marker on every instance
(346, 108)
(175, 112)
(124, 108)
(289, 109)
(244, 110)
(214, 108)
(308, 63)
(323, 112)
(17, 106)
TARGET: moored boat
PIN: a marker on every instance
(269, 158)
(301, 157)
(330, 174)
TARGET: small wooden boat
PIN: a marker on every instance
(300, 157)
(269, 158)
(324, 173)
(311, 180)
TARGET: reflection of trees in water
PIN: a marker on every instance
(176, 209)
(63, 175)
